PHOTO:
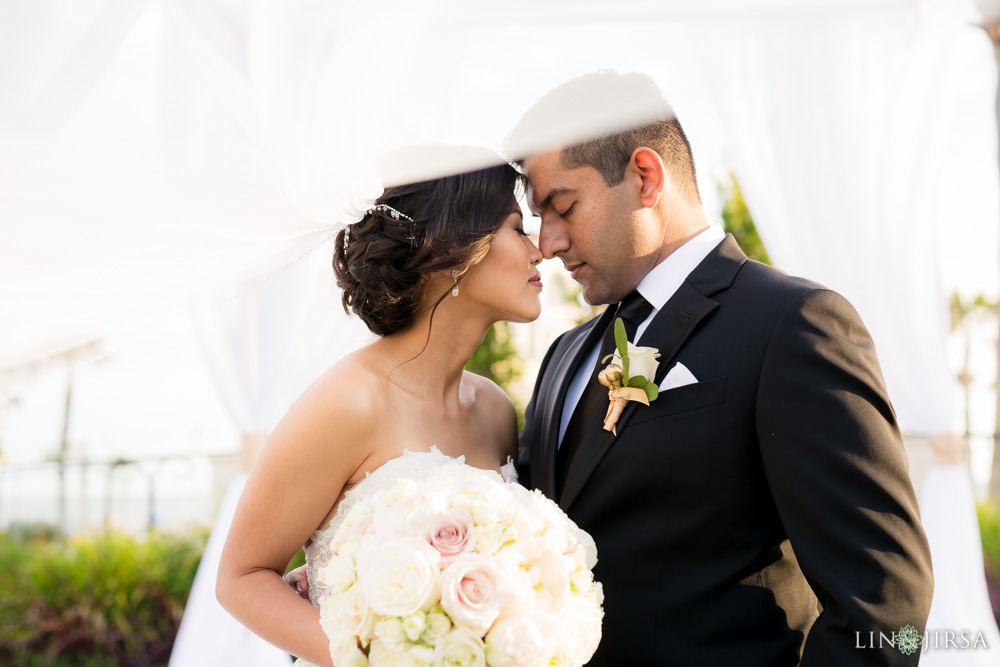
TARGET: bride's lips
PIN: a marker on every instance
(536, 281)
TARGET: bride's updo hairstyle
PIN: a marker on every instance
(388, 261)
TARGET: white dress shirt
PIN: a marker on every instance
(657, 288)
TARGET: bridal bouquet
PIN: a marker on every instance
(460, 569)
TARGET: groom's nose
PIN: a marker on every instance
(552, 237)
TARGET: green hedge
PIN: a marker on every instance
(93, 601)
(989, 528)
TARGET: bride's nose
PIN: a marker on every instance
(534, 254)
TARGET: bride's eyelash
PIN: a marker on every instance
(520, 230)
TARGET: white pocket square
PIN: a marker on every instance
(678, 376)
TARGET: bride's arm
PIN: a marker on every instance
(308, 458)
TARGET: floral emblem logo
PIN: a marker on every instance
(908, 640)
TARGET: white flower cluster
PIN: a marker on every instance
(460, 569)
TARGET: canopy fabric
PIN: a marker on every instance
(156, 148)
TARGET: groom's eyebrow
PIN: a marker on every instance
(553, 193)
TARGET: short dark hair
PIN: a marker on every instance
(649, 121)
(386, 265)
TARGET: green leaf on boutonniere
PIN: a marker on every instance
(638, 381)
(652, 391)
(621, 341)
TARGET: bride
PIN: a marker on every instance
(429, 269)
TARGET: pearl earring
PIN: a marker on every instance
(454, 288)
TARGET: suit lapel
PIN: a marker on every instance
(672, 325)
(543, 459)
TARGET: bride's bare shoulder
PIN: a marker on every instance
(488, 392)
(341, 406)
(356, 384)
(494, 405)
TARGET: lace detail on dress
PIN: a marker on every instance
(509, 471)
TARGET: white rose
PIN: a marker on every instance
(468, 499)
(359, 511)
(349, 548)
(382, 655)
(642, 361)
(515, 642)
(559, 527)
(527, 523)
(460, 648)
(356, 617)
(596, 593)
(338, 573)
(414, 625)
(489, 539)
(548, 572)
(400, 577)
(329, 619)
(471, 592)
(402, 488)
(406, 515)
(438, 625)
(345, 651)
(360, 528)
(484, 514)
(581, 580)
(419, 656)
(589, 547)
(581, 622)
(519, 591)
(390, 634)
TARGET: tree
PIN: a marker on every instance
(961, 312)
(736, 220)
(497, 358)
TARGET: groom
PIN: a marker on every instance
(759, 511)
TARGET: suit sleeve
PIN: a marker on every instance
(529, 436)
(838, 473)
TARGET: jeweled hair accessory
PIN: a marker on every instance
(393, 213)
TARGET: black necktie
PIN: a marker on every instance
(633, 310)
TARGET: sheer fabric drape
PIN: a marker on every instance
(161, 147)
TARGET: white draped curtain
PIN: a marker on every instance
(264, 342)
(838, 135)
(150, 148)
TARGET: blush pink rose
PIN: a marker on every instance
(471, 594)
(450, 533)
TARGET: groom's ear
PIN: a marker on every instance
(647, 165)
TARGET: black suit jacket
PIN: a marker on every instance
(762, 516)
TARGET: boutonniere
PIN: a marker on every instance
(629, 377)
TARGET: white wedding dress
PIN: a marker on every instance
(411, 465)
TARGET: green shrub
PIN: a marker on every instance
(34, 530)
(989, 528)
(93, 601)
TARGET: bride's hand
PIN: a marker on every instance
(298, 580)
